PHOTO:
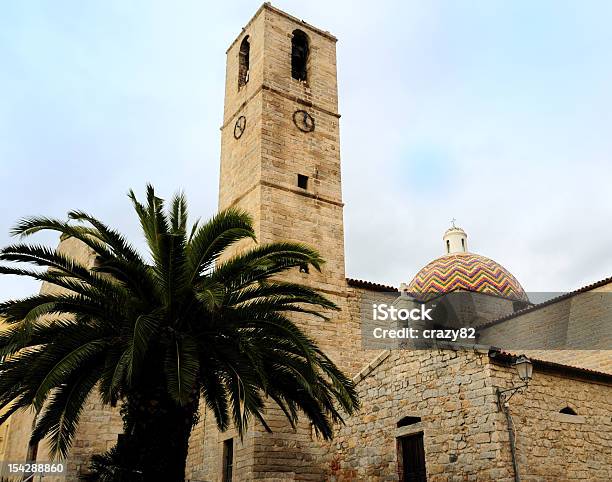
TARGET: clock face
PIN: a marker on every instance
(303, 121)
(239, 127)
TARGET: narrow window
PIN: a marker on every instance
(568, 411)
(302, 181)
(243, 62)
(411, 454)
(299, 56)
(463, 244)
(228, 459)
(447, 246)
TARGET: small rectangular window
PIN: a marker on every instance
(302, 181)
(228, 459)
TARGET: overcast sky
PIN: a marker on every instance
(498, 114)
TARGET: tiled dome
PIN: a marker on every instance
(468, 272)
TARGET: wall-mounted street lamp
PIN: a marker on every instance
(524, 369)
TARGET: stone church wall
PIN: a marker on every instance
(16, 436)
(553, 446)
(452, 393)
(465, 435)
(204, 460)
(98, 429)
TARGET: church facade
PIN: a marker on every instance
(430, 412)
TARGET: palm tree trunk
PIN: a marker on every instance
(158, 433)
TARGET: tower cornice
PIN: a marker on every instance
(271, 8)
(293, 98)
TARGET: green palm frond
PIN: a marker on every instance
(60, 417)
(263, 262)
(65, 367)
(182, 366)
(209, 241)
(178, 214)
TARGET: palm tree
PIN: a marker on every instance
(156, 336)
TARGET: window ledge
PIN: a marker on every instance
(567, 418)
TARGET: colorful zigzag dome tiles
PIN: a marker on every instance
(465, 272)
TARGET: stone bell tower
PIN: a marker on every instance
(280, 162)
(280, 151)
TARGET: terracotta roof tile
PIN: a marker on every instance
(505, 356)
(357, 283)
